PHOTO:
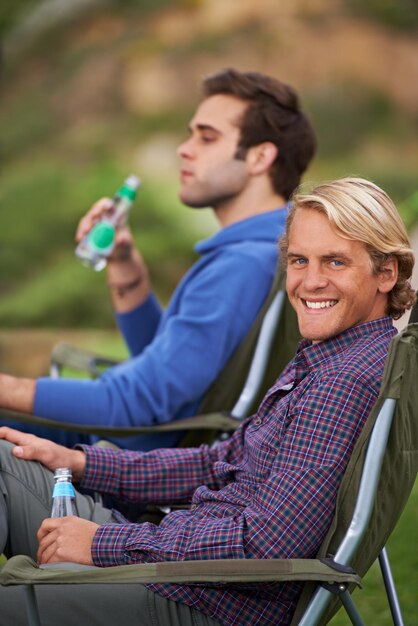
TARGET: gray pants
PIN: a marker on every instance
(25, 500)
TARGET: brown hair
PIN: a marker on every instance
(274, 115)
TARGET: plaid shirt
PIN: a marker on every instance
(267, 492)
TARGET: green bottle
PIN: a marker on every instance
(95, 248)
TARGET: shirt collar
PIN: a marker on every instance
(314, 354)
(263, 226)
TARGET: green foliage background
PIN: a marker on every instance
(62, 148)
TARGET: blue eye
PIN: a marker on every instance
(300, 261)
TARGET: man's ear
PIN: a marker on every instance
(261, 157)
(388, 274)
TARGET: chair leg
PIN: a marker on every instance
(32, 611)
(390, 588)
(337, 589)
(350, 607)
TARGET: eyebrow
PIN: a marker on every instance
(203, 128)
(324, 257)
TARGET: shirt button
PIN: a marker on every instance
(257, 421)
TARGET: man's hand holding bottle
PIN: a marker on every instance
(105, 240)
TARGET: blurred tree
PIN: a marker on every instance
(11, 12)
(398, 14)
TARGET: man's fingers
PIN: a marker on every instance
(47, 547)
(20, 452)
(100, 208)
(22, 442)
(47, 535)
(31, 451)
(15, 436)
(66, 539)
(46, 452)
(48, 525)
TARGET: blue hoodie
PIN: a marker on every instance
(175, 354)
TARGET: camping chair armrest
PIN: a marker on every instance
(22, 570)
(65, 355)
(211, 421)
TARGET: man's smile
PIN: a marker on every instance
(321, 304)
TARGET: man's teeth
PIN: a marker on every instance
(326, 304)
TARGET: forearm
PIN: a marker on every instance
(127, 273)
(258, 522)
(17, 394)
(160, 476)
(139, 326)
(128, 281)
(117, 400)
(72, 400)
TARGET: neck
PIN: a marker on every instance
(246, 205)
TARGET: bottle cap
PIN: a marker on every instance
(129, 187)
(102, 235)
(62, 471)
(132, 182)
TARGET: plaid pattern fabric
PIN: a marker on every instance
(267, 492)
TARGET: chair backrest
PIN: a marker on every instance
(268, 346)
(253, 368)
(398, 402)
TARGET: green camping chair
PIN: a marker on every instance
(372, 495)
(252, 369)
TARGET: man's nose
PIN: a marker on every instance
(185, 149)
(314, 277)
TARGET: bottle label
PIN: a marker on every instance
(63, 489)
(102, 237)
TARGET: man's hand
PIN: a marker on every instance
(124, 244)
(50, 454)
(127, 273)
(102, 209)
(66, 539)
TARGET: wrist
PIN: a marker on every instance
(122, 288)
(78, 464)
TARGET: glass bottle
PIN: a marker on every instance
(63, 495)
(94, 249)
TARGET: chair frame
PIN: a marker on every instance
(358, 527)
(254, 380)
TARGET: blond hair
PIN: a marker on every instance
(361, 211)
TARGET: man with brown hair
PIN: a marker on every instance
(248, 147)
